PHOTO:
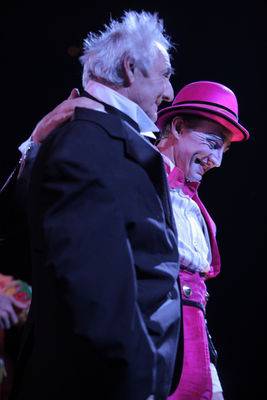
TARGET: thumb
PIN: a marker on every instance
(74, 93)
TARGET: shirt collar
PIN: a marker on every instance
(125, 105)
(176, 178)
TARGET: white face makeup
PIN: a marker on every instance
(199, 149)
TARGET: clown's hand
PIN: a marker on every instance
(62, 113)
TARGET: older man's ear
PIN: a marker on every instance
(128, 69)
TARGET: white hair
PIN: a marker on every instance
(136, 35)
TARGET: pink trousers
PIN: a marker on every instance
(195, 382)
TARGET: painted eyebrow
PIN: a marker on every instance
(213, 136)
(220, 140)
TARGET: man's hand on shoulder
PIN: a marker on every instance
(62, 113)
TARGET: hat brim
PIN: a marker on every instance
(239, 133)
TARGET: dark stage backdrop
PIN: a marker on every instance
(221, 41)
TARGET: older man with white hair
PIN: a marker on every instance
(105, 315)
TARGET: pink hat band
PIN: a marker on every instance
(209, 100)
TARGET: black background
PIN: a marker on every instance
(220, 41)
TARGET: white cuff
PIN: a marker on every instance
(24, 147)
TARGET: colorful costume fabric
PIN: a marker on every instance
(21, 292)
(197, 380)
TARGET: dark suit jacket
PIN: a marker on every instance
(106, 308)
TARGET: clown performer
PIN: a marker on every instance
(197, 130)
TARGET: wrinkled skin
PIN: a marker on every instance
(149, 90)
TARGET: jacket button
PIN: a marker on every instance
(187, 291)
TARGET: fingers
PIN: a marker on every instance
(8, 316)
(87, 103)
(61, 114)
(74, 93)
(4, 320)
(19, 304)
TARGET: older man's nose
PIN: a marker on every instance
(168, 94)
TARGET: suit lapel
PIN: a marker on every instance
(138, 149)
(145, 154)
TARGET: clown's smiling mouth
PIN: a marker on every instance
(203, 164)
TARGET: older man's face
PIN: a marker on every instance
(201, 148)
(149, 91)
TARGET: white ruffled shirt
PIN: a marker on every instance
(193, 237)
(193, 243)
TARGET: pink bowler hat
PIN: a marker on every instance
(210, 100)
